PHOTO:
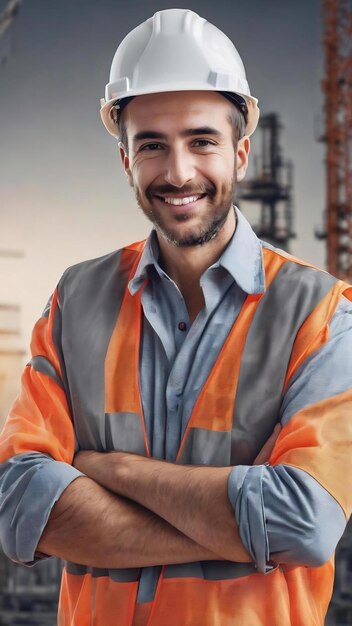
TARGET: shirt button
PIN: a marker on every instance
(182, 326)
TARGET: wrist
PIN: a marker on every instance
(126, 472)
(95, 465)
(109, 469)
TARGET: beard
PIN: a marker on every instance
(219, 205)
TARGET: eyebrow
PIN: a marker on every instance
(188, 132)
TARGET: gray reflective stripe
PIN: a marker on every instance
(56, 336)
(120, 575)
(47, 307)
(210, 570)
(42, 365)
(289, 300)
(124, 432)
(148, 582)
(206, 447)
(90, 296)
(127, 575)
(77, 570)
(312, 382)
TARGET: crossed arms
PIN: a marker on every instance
(131, 511)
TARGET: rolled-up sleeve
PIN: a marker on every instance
(30, 484)
(291, 512)
(37, 444)
(284, 516)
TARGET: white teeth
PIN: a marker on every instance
(180, 201)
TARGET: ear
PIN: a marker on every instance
(242, 153)
(126, 163)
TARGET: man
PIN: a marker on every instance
(183, 434)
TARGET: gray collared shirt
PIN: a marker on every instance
(280, 510)
(176, 356)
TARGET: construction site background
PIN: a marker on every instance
(268, 197)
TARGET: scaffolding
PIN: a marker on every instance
(337, 89)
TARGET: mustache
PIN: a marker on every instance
(161, 190)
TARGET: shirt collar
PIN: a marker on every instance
(242, 258)
(150, 256)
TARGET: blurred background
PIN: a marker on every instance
(64, 197)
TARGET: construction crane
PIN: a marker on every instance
(6, 19)
(337, 89)
(337, 229)
(8, 15)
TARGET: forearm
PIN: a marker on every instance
(91, 526)
(30, 483)
(192, 499)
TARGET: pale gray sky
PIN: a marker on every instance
(63, 195)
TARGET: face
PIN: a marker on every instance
(182, 163)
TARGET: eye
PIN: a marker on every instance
(151, 147)
(203, 143)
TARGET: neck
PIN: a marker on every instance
(186, 265)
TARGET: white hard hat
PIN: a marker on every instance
(176, 50)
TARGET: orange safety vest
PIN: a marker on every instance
(234, 415)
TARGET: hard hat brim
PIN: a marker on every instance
(112, 127)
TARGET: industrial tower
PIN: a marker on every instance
(271, 186)
(337, 88)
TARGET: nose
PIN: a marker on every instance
(179, 167)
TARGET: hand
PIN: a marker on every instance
(265, 453)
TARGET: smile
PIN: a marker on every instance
(181, 201)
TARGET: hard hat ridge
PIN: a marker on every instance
(176, 50)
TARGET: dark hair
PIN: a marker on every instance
(238, 123)
(123, 132)
(236, 118)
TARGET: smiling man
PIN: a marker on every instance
(185, 162)
(183, 434)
